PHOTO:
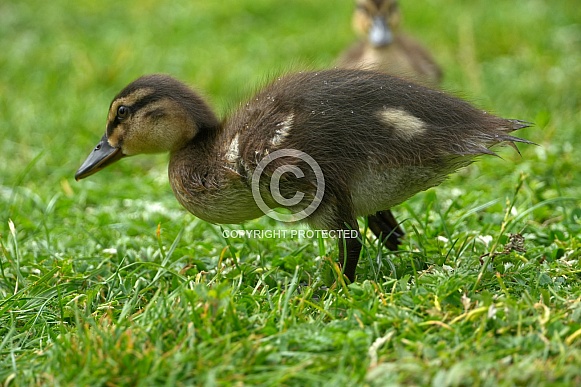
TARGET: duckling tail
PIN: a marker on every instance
(511, 140)
(519, 124)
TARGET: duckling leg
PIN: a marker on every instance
(349, 251)
(350, 243)
(338, 215)
(386, 228)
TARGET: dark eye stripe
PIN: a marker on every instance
(111, 127)
(140, 104)
(158, 112)
(364, 9)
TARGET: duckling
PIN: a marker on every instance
(353, 142)
(383, 48)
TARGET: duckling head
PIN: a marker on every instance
(376, 20)
(153, 114)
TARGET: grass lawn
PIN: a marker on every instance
(110, 282)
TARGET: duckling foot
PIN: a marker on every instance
(384, 225)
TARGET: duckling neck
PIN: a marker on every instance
(206, 185)
(194, 167)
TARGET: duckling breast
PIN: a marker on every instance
(212, 192)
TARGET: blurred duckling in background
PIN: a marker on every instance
(384, 48)
(352, 142)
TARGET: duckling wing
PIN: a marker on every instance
(366, 127)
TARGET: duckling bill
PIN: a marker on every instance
(103, 155)
(375, 139)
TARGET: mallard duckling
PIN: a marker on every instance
(368, 139)
(384, 49)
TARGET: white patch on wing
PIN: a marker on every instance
(282, 131)
(233, 153)
(406, 125)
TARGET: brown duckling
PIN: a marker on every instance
(352, 142)
(384, 49)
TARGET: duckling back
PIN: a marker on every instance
(347, 114)
(364, 126)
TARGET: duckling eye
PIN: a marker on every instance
(363, 9)
(122, 112)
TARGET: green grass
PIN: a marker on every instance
(109, 282)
